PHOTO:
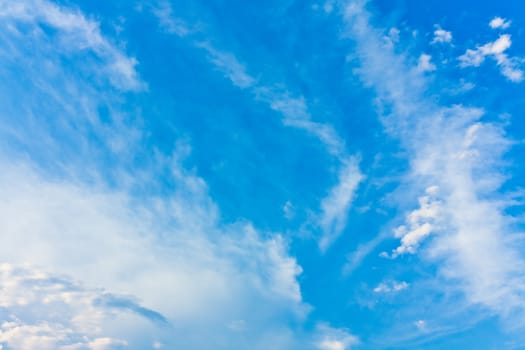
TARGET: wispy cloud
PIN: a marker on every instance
(167, 20)
(336, 206)
(295, 114)
(474, 248)
(80, 231)
(74, 203)
(77, 33)
(228, 64)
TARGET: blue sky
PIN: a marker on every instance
(262, 175)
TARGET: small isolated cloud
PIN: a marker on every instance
(391, 287)
(419, 223)
(441, 36)
(334, 339)
(288, 210)
(424, 64)
(421, 325)
(509, 66)
(499, 23)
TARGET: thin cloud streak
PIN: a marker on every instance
(336, 206)
(334, 211)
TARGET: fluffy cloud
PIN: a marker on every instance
(335, 339)
(419, 223)
(509, 66)
(424, 63)
(499, 23)
(51, 312)
(391, 287)
(441, 36)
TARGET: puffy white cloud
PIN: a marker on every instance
(424, 63)
(391, 287)
(419, 223)
(499, 23)
(334, 339)
(509, 67)
(51, 312)
(442, 36)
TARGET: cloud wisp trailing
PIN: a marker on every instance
(77, 33)
(293, 109)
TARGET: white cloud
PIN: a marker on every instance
(288, 210)
(499, 23)
(442, 36)
(391, 287)
(419, 223)
(421, 325)
(50, 312)
(473, 250)
(392, 36)
(77, 34)
(336, 206)
(334, 339)
(167, 20)
(509, 66)
(81, 208)
(170, 253)
(228, 64)
(424, 63)
(294, 110)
